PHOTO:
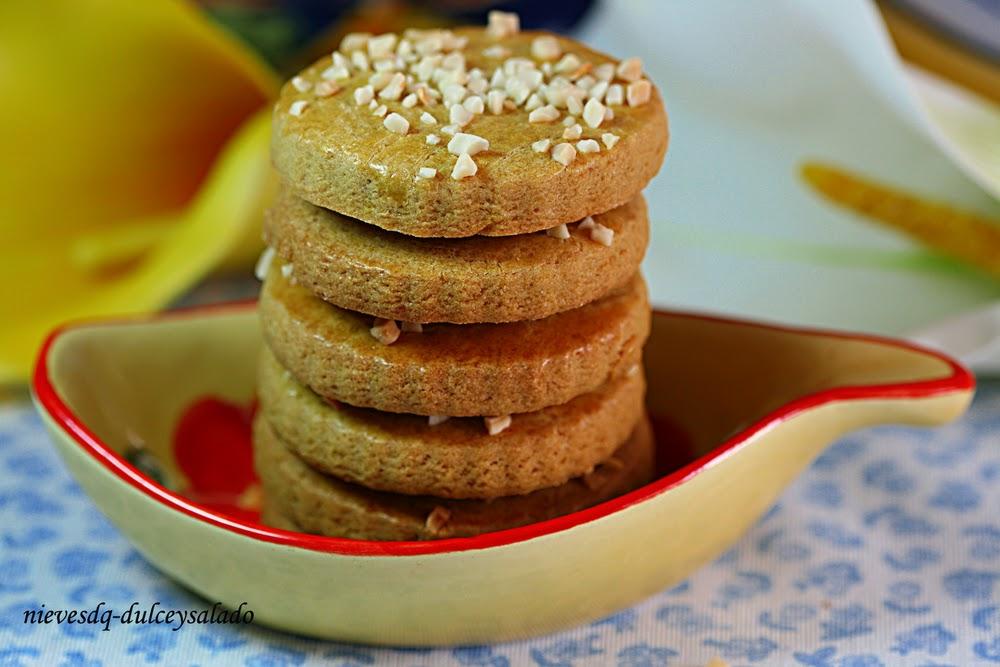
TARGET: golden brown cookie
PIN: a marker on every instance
(325, 505)
(458, 370)
(457, 458)
(480, 279)
(361, 151)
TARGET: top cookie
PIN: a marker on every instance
(474, 131)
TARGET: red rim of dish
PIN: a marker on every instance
(959, 380)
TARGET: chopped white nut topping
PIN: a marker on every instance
(474, 104)
(601, 234)
(450, 129)
(326, 89)
(422, 174)
(569, 121)
(381, 46)
(574, 105)
(545, 114)
(593, 113)
(588, 146)
(541, 146)
(264, 263)
(335, 73)
(605, 72)
(385, 331)
(564, 154)
(381, 110)
(415, 327)
(638, 92)
(609, 115)
(360, 60)
(297, 107)
(363, 95)
(373, 105)
(546, 47)
(354, 40)
(396, 123)
(534, 101)
(610, 139)
(427, 119)
(454, 93)
(433, 139)
(558, 232)
(340, 59)
(287, 270)
(497, 425)
(496, 51)
(630, 69)
(437, 519)
(586, 223)
(495, 100)
(615, 94)
(393, 90)
(574, 131)
(568, 63)
(434, 420)
(459, 115)
(502, 24)
(410, 101)
(301, 84)
(464, 167)
(468, 144)
(598, 90)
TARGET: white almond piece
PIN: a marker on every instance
(568, 63)
(434, 420)
(396, 123)
(573, 132)
(598, 90)
(558, 232)
(464, 167)
(363, 95)
(428, 119)
(605, 72)
(360, 60)
(381, 46)
(564, 154)
(533, 102)
(394, 89)
(381, 110)
(593, 113)
(454, 93)
(287, 270)
(541, 146)
(545, 114)
(354, 40)
(502, 24)
(497, 425)
(495, 100)
(459, 115)
(586, 223)
(264, 263)
(450, 130)
(467, 144)
(603, 235)
(433, 139)
(496, 51)
(423, 172)
(326, 89)
(410, 101)
(615, 94)
(546, 47)
(474, 104)
(588, 146)
(373, 105)
(297, 107)
(301, 84)
(385, 331)
(610, 139)
(630, 69)
(638, 92)
(574, 105)
(569, 121)
(335, 73)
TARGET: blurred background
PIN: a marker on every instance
(834, 164)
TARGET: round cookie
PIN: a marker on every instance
(337, 153)
(480, 279)
(457, 370)
(455, 459)
(325, 505)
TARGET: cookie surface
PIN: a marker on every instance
(480, 279)
(455, 459)
(322, 504)
(337, 153)
(457, 370)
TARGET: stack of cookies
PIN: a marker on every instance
(452, 305)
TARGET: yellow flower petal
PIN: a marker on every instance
(127, 175)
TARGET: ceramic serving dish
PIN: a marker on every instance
(740, 409)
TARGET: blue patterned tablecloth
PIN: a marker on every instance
(886, 552)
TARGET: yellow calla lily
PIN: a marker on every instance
(135, 142)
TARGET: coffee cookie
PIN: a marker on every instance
(447, 134)
(457, 370)
(480, 279)
(325, 505)
(457, 458)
